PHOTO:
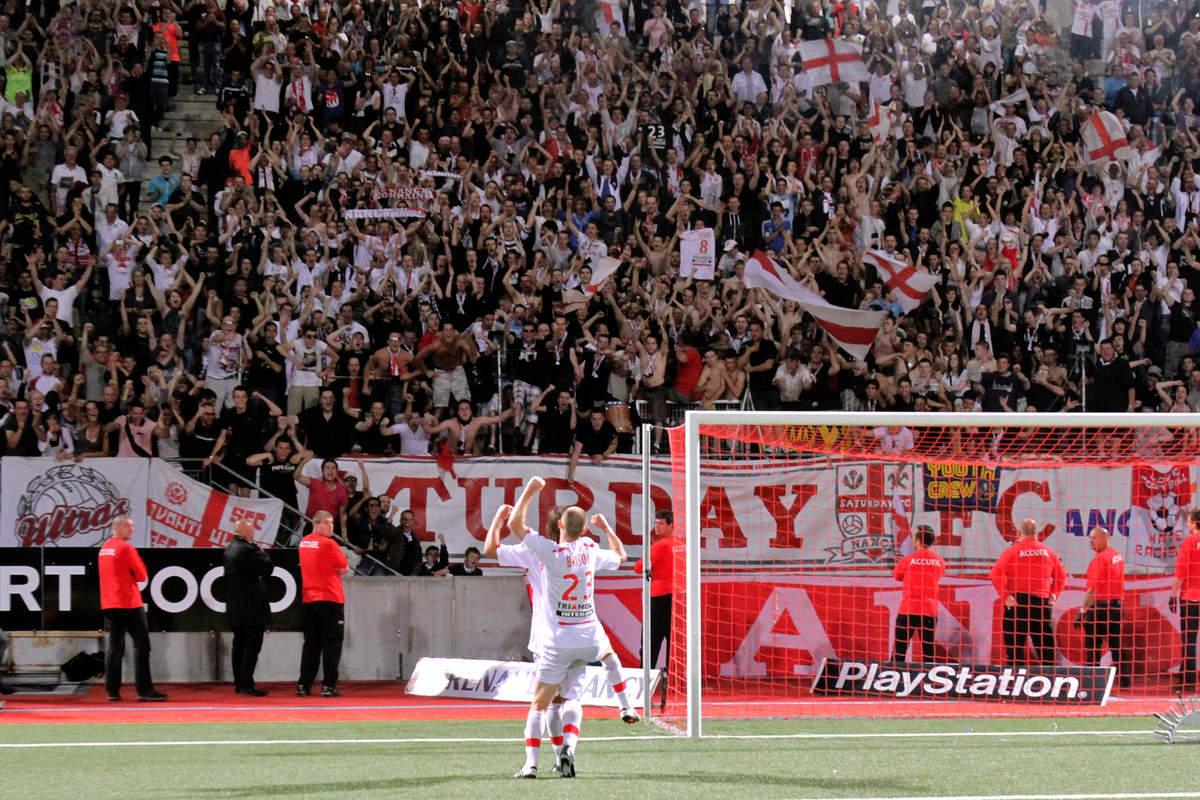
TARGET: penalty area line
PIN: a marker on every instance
(633, 737)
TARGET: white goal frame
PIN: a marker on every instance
(694, 419)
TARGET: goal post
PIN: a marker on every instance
(794, 523)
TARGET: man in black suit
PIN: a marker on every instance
(247, 567)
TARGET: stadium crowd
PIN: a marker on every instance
(388, 239)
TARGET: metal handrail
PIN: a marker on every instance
(303, 518)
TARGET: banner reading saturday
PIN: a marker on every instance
(849, 515)
(64, 504)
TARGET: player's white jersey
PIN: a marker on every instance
(568, 608)
(518, 555)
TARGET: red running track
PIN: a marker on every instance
(386, 701)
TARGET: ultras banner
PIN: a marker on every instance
(58, 588)
(52, 503)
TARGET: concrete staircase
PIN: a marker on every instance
(189, 113)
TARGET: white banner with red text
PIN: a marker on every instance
(44, 502)
(841, 516)
(847, 515)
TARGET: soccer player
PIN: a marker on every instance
(1100, 613)
(1185, 598)
(564, 715)
(1029, 577)
(567, 610)
(920, 572)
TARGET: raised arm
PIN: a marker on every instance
(614, 543)
(516, 521)
(492, 540)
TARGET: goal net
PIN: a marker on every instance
(795, 523)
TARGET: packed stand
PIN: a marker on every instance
(387, 242)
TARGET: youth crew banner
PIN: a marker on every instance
(44, 502)
(770, 626)
(58, 589)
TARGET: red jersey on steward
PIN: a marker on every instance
(1028, 567)
(1106, 575)
(666, 558)
(121, 569)
(321, 562)
(1187, 568)
(920, 572)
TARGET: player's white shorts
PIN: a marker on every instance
(572, 684)
(558, 663)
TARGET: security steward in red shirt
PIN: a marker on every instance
(1100, 613)
(121, 569)
(666, 565)
(1185, 599)
(920, 572)
(322, 606)
(1028, 576)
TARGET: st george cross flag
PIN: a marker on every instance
(601, 268)
(833, 61)
(852, 329)
(910, 284)
(1104, 139)
(880, 122)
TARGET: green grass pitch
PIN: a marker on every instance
(1113, 757)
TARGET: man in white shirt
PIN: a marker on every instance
(109, 227)
(267, 83)
(63, 178)
(395, 92)
(748, 86)
(414, 441)
(60, 291)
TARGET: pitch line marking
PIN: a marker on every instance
(1121, 796)
(638, 738)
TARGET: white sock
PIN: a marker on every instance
(572, 718)
(554, 725)
(612, 666)
(533, 736)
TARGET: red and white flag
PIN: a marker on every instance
(833, 61)
(909, 283)
(880, 122)
(852, 329)
(1104, 139)
(601, 268)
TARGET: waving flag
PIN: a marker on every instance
(880, 122)
(1104, 139)
(601, 268)
(852, 329)
(833, 61)
(910, 284)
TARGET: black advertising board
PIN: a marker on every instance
(57, 589)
